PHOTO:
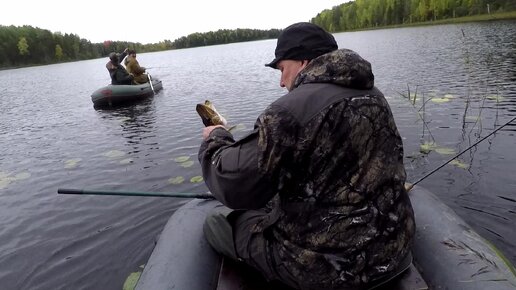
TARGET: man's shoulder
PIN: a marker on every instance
(307, 100)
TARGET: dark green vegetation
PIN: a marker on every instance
(365, 14)
(26, 45)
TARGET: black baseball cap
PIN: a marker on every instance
(301, 41)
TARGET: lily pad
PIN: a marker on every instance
(495, 98)
(21, 176)
(445, 151)
(126, 161)
(114, 153)
(71, 163)
(187, 164)
(6, 178)
(440, 100)
(427, 147)
(181, 159)
(459, 164)
(196, 179)
(4, 182)
(176, 180)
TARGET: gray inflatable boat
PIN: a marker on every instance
(448, 254)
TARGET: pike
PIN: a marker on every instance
(209, 115)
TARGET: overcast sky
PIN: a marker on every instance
(156, 20)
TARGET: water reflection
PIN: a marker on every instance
(137, 122)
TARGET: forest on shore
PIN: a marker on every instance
(26, 45)
(364, 14)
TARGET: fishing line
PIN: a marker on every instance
(462, 152)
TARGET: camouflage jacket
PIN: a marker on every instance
(133, 66)
(331, 156)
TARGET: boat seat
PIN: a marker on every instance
(238, 276)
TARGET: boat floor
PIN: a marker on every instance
(238, 276)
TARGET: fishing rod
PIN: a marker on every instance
(210, 196)
(454, 157)
(134, 193)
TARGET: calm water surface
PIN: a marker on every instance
(463, 77)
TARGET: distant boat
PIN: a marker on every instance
(448, 254)
(115, 95)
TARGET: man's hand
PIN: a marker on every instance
(207, 130)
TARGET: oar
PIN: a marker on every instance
(133, 193)
(409, 187)
(150, 81)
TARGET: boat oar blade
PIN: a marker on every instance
(133, 193)
(150, 81)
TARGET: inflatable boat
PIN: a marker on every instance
(448, 254)
(114, 95)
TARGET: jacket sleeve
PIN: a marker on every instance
(138, 70)
(231, 172)
(122, 56)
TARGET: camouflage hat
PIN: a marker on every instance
(302, 41)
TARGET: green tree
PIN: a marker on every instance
(23, 46)
(59, 52)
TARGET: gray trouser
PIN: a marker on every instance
(227, 231)
(219, 231)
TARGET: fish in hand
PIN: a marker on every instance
(209, 115)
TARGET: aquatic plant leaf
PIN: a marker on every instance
(187, 164)
(132, 279)
(181, 159)
(71, 163)
(6, 178)
(445, 151)
(176, 180)
(459, 164)
(495, 98)
(4, 182)
(196, 179)
(21, 176)
(126, 161)
(440, 100)
(448, 96)
(427, 147)
(114, 153)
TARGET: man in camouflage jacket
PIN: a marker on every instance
(319, 183)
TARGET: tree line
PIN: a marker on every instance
(27, 45)
(363, 14)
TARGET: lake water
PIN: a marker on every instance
(463, 77)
